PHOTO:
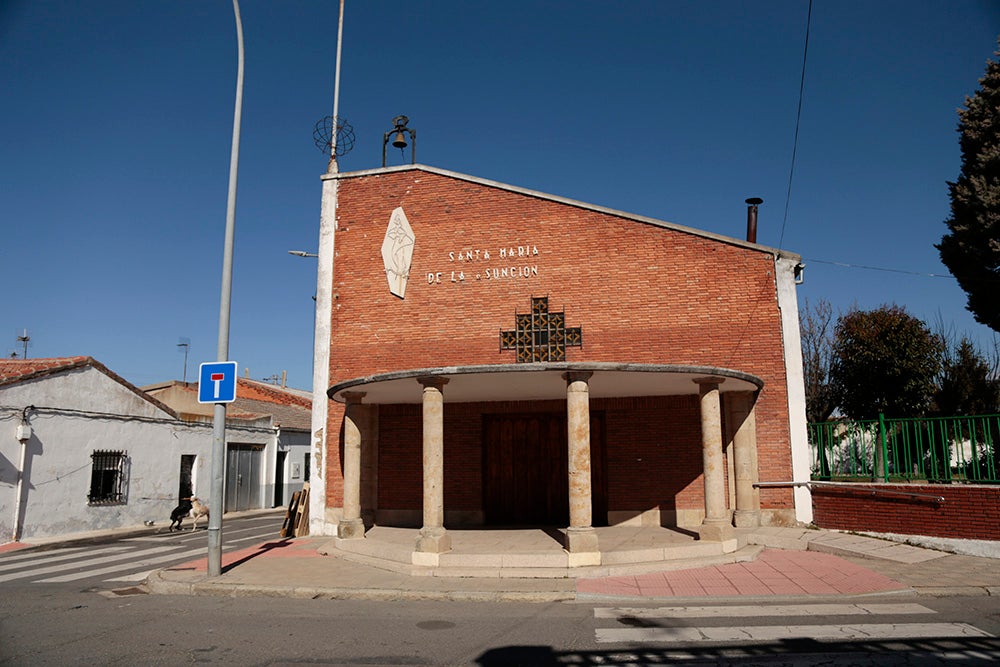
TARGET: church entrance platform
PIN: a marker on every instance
(539, 553)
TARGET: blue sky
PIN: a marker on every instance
(117, 119)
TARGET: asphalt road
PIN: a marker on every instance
(54, 625)
(81, 604)
(106, 563)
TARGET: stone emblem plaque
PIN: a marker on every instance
(397, 252)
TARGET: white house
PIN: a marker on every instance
(81, 449)
(255, 476)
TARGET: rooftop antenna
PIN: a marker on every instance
(185, 345)
(333, 143)
(334, 134)
(23, 338)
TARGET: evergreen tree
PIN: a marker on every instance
(971, 248)
(885, 361)
(967, 385)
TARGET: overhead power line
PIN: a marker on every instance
(847, 265)
(798, 118)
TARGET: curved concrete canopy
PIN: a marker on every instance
(544, 381)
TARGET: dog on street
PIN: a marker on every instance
(198, 510)
(178, 513)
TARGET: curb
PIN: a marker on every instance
(963, 591)
(158, 585)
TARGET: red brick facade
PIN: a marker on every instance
(642, 292)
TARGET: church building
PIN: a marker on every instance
(497, 357)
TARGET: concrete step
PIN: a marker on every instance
(541, 564)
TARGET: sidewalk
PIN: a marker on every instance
(787, 562)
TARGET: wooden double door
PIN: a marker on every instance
(525, 476)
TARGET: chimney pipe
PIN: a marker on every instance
(752, 204)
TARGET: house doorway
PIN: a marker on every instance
(185, 488)
(279, 479)
(243, 477)
(525, 477)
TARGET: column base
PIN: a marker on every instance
(433, 541)
(715, 531)
(746, 519)
(581, 540)
(350, 529)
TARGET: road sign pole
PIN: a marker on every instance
(219, 418)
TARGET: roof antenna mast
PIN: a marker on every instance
(24, 338)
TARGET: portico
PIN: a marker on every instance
(576, 386)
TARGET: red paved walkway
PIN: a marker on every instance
(775, 572)
(286, 548)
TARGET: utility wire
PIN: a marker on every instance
(798, 118)
(882, 268)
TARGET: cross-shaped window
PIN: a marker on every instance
(541, 335)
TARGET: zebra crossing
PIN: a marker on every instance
(127, 560)
(687, 632)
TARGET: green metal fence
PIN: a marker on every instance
(933, 449)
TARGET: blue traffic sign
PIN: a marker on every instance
(217, 382)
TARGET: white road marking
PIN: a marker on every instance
(756, 611)
(60, 556)
(784, 632)
(180, 556)
(31, 553)
(25, 574)
(133, 578)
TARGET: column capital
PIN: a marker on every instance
(436, 381)
(706, 383)
(577, 376)
(353, 397)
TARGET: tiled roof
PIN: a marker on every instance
(289, 408)
(19, 370)
(13, 371)
(285, 416)
(270, 393)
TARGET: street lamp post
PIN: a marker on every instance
(219, 417)
(303, 253)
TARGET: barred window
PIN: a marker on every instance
(108, 478)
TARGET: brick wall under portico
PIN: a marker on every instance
(642, 294)
(653, 453)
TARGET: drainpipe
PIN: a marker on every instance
(23, 435)
(752, 204)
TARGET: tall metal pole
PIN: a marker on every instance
(336, 88)
(323, 315)
(219, 418)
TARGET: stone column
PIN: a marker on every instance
(351, 525)
(741, 412)
(581, 538)
(433, 539)
(716, 526)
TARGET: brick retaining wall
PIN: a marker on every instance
(966, 512)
